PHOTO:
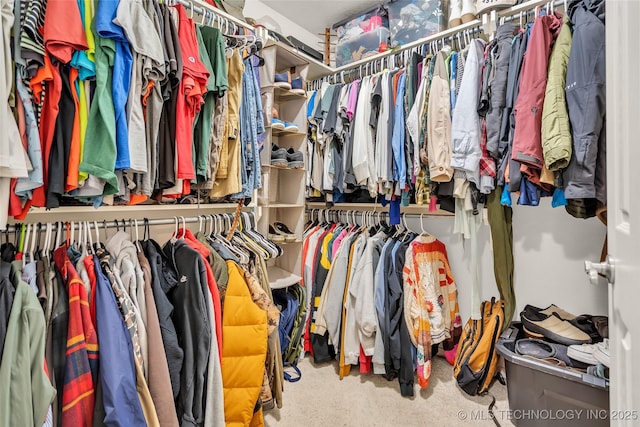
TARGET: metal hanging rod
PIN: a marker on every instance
(474, 25)
(130, 222)
(208, 12)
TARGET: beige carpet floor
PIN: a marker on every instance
(321, 399)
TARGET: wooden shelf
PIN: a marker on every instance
(283, 169)
(283, 133)
(283, 206)
(283, 95)
(280, 278)
(412, 209)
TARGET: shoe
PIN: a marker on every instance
(585, 324)
(583, 353)
(297, 86)
(283, 80)
(564, 315)
(279, 157)
(277, 124)
(295, 159)
(291, 127)
(602, 325)
(554, 328)
(455, 13)
(601, 353)
(282, 229)
(273, 235)
(468, 11)
(599, 371)
(546, 350)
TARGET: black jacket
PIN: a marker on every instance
(163, 280)
(191, 318)
(398, 354)
(7, 291)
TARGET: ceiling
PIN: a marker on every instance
(316, 15)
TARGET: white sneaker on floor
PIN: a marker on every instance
(583, 353)
(601, 353)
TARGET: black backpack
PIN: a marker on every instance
(291, 302)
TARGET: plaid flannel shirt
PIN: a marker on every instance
(81, 364)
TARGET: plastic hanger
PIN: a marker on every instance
(90, 245)
(137, 231)
(174, 238)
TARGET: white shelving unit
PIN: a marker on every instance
(282, 197)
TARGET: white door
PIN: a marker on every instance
(623, 157)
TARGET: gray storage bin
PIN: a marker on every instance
(541, 394)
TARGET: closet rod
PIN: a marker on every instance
(475, 24)
(529, 6)
(204, 9)
(141, 222)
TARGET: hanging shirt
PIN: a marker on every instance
(100, 151)
(398, 140)
(122, 66)
(190, 95)
(147, 57)
(27, 393)
(81, 368)
(117, 374)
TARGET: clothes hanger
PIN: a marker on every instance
(174, 237)
(146, 231)
(184, 227)
(89, 237)
(25, 244)
(137, 231)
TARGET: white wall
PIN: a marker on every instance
(256, 9)
(550, 247)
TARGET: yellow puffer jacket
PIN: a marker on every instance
(244, 350)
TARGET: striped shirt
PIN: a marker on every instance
(81, 364)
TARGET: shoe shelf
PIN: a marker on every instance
(278, 168)
(285, 132)
(280, 278)
(282, 196)
(283, 95)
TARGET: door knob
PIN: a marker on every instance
(596, 269)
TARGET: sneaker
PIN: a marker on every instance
(583, 353)
(278, 157)
(282, 229)
(599, 371)
(295, 159)
(291, 127)
(564, 315)
(283, 80)
(278, 124)
(297, 86)
(455, 13)
(601, 353)
(468, 11)
(274, 235)
(554, 328)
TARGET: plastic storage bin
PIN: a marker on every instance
(410, 20)
(541, 394)
(362, 36)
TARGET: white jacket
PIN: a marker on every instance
(351, 345)
(363, 143)
(465, 127)
(361, 290)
